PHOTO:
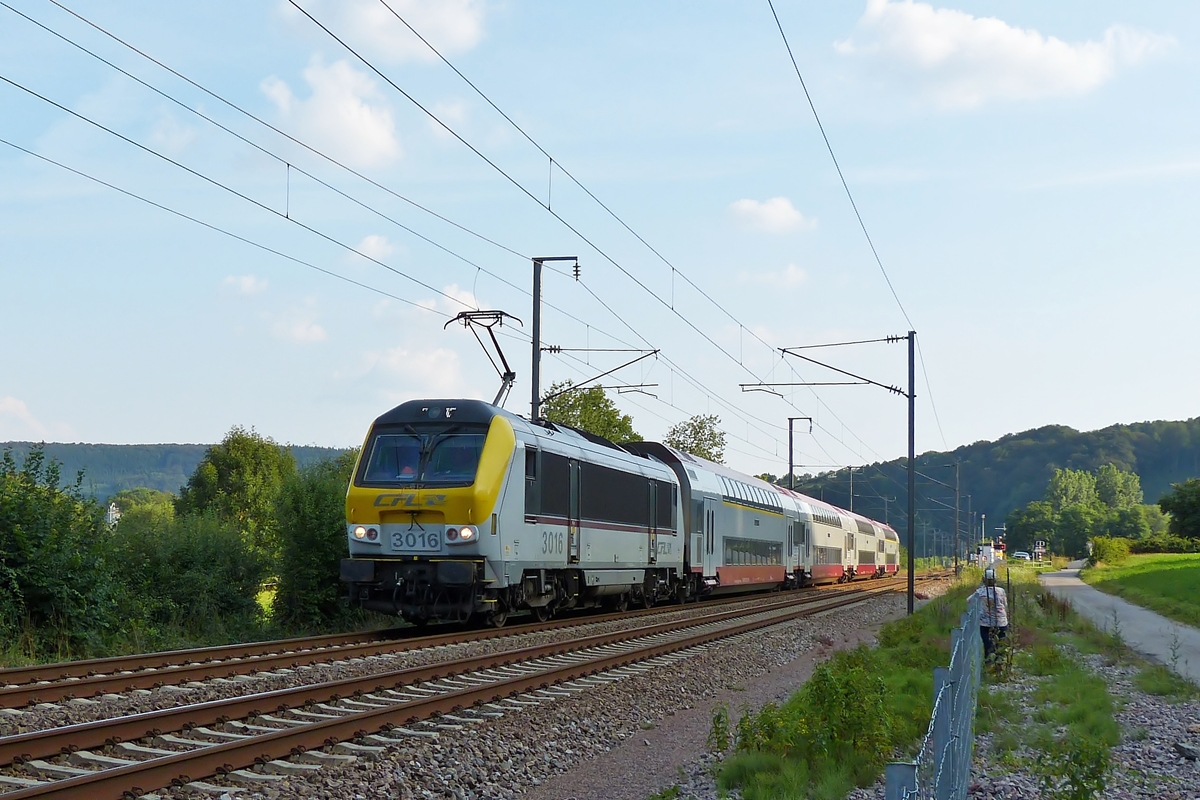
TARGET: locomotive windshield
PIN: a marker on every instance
(420, 455)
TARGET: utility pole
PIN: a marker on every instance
(912, 462)
(912, 421)
(852, 488)
(535, 371)
(956, 501)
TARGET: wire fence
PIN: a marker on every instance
(942, 767)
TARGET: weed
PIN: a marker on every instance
(648, 725)
(1174, 649)
(1114, 630)
(1139, 734)
(669, 793)
(1073, 768)
(1158, 680)
(718, 732)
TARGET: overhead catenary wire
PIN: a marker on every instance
(213, 181)
(681, 372)
(858, 215)
(528, 193)
(309, 148)
(555, 163)
(284, 134)
(220, 230)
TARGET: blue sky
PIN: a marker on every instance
(1027, 171)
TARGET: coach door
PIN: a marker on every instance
(652, 544)
(710, 537)
(573, 521)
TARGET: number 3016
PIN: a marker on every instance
(553, 543)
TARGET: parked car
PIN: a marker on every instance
(1021, 555)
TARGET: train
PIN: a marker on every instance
(461, 511)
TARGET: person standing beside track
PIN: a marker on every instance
(993, 614)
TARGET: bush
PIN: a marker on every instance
(312, 532)
(1164, 543)
(57, 588)
(1109, 550)
(196, 573)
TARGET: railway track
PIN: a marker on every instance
(295, 730)
(50, 683)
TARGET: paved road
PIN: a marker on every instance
(1144, 631)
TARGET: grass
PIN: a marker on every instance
(1162, 582)
(859, 708)
(1158, 680)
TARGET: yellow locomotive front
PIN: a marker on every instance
(421, 510)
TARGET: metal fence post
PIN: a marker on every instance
(943, 690)
(901, 780)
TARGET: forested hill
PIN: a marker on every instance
(109, 468)
(1007, 474)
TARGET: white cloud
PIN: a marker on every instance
(17, 423)
(962, 61)
(245, 284)
(789, 277)
(452, 26)
(435, 370)
(298, 325)
(376, 247)
(345, 113)
(776, 215)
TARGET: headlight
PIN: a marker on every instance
(451, 534)
(372, 534)
(360, 532)
(467, 533)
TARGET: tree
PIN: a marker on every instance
(1071, 487)
(239, 480)
(590, 410)
(128, 499)
(312, 521)
(1126, 523)
(1183, 504)
(700, 436)
(1117, 488)
(1029, 524)
(1076, 524)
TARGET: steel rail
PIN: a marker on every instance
(52, 741)
(125, 673)
(79, 673)
(167, 658)
(180, 768)
(85, 735)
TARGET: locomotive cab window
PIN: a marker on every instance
(533, 495)
(423, 454)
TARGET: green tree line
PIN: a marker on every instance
(1105, 508)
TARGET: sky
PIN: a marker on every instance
(265, 214)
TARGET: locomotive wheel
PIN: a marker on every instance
(542, 613)
(497, 619)
(622, 604)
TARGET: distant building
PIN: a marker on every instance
(112, 516)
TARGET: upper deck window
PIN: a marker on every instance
(423, 454)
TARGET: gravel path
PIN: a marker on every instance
(627, 739)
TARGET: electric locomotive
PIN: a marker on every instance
(459, 510)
